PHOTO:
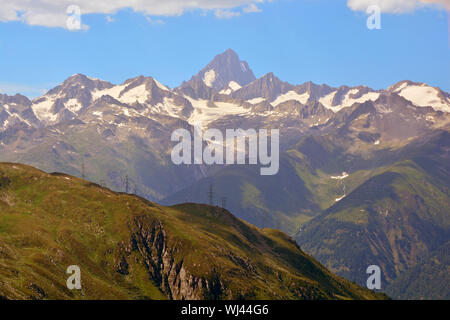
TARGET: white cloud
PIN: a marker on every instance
(396, 6)
(226, 14)
(52, 13)
(444, 3)
(251, 8)
(155, 22)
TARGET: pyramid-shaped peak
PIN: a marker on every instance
(229, 56)
(230, 52)
(223, 69)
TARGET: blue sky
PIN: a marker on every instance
(324, 41)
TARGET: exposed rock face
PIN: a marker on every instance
(196, 89)
(315, 91)
(16, 99)
(268, 86)
(149, 239)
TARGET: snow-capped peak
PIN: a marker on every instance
(224, 69)
(345, 97)
(422, 95)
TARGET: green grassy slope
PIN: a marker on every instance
(391, 220)
(395, 211)
(130, 248)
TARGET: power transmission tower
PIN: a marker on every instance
(83, 169)
(126, 184)
(211, 198)
(224, 202)
(211, 195)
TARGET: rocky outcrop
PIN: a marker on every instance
(268, 87)
(149, 240)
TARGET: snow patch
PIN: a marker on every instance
(209, 77)
(327, 101)
(113, 92)
(137, 94)
(161, 86)
(73, 105)
(226, 91)
(203, 114)
(42, 109)
(256, 100)
(424, 96)
(343, 176)
(291, 95)
(347, 101)
(234, 85)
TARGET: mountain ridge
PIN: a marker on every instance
(77, 92)
(130, 248)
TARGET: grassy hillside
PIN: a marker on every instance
(391, 220)
(434, 274)
(130, 248)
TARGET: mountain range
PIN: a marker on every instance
(364, 173)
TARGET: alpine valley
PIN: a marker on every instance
(364, 179)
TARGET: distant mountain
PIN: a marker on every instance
(395, 218)
(334, 143)
(137, 117)
(129, 248)
(422, 95)
(65, 101)
(15, 113)
(268, 87)
(73, 97)
(317, 144)
(225, 72)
